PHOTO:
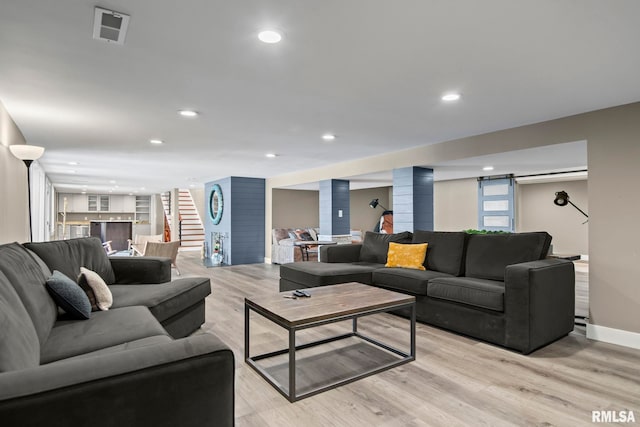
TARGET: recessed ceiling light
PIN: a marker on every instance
(156, 141)
(113, 181)
(487, 168)
(188, 113)
(73, 163)
(269, 36)
(271, 155)
(71, 171)
(328, 137)
(451, 97)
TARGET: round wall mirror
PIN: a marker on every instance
(216, 204)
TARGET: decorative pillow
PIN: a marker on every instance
(69, 296)
(303, 235)
(280, 234)
(406, 256)
(293, 235)
(375, 246)
(313, 233)
(96, 289)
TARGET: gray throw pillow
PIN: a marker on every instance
(69, 296)
(376, 245)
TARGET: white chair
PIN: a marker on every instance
(137, 245)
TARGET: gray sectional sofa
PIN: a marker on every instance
(133, 365)
(499, 288)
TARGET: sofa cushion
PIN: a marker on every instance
(69, 296)
(489, 254)
(27, 277)
(310, 274)
(406, 255)
(375, 246)
(67, 256)
(104, 329)
(163, 300)
(129, 345)
(19, 345)
(96, 289)
(481, 293)
(445, 252)
(405, 280)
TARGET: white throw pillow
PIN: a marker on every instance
(97, 290)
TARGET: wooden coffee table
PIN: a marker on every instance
(327, 304)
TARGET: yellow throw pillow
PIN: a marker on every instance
(406, 256)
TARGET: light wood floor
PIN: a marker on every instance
(455, 381)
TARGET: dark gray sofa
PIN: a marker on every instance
(131, 365)
(499, 288)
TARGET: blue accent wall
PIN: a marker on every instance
(334, 196)
(242, 219)
(247, 220)
(412, 199)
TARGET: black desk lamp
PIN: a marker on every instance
(562, 199)
(27, 153)
(374, 204)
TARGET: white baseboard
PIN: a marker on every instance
(613, 336)
(267, 260)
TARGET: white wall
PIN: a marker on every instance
(535, 211)
(361, 215)
(294, 209)
(200, 201)
(42, 205)
(14, 210)
(455, 204)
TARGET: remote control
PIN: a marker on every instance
(301, 293)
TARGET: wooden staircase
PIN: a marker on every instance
(189, 226)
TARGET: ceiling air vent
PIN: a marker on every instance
(110, 26)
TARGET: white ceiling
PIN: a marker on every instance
(567, 157)
(371, 71)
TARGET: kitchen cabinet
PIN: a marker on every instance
(75, 202)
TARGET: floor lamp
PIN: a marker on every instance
(562, 199)
(374, 204)
(27, 153)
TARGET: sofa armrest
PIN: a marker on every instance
(340, 253)
(539, 303)
(141, 270)
(187, 382)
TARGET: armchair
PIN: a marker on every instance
(137, 245)
(163, 249)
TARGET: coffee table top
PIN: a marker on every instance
(326, 302)
(313, 242)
